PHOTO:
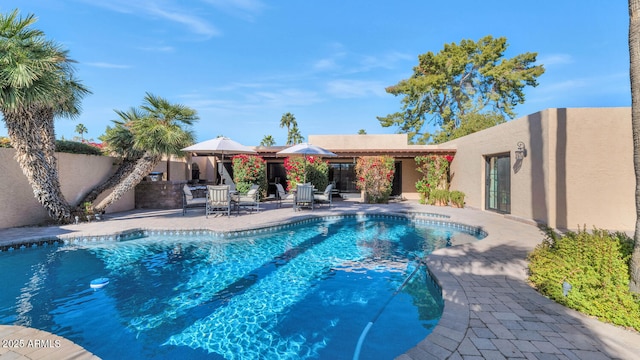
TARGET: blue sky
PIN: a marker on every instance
(243, 63)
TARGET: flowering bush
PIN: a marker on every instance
(248, 170)
(374, 176)
(316, 169)
(435, 171)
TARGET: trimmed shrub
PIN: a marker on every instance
(439, 197)
(75, 147)
(596, 265)
(457, 198)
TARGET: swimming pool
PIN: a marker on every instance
(327, 288)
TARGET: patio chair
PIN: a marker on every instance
(304, 196)
(218, 200)
(188, 201)
(284, 197)
(250, 200)
(325, 197)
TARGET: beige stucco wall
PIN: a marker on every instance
(578, 170)
(409, 178)
(78, 173)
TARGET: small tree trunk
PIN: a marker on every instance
(126, 167)
(142, 168)
(634, 52)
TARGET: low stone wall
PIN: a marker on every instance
(159, 195)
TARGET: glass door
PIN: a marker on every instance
(498, 183)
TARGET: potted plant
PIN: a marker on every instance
(457, 198)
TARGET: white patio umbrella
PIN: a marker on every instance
(306, 149)
(219, 146)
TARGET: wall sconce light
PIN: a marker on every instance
(521, 152)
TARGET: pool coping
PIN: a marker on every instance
(484, 287)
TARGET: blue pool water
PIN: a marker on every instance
(303, 291)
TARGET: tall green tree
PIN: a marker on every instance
(634, 72)
(81, 130)
(295, 137)
(288, 121)
(165, 129)
(141, 137)
(267, 141)
(468, 124)
(37, 84)
(466, 78)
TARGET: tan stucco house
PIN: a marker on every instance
(564, 167)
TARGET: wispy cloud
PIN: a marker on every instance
(158, 48)
(555, 59)
(195, 23)
(572, 92)
(355, 88)
(245, 9)
(285, 98)
(105, 65)
(243, 100)
(384, 61)
(349, 63)
(325, 65)
(166, 10)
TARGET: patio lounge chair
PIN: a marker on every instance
(304, 196)
(283, 197)
(218, 200)
(250, 200)
(325, 197)
(188, 201)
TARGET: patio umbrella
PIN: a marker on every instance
(306, 149)
(219, 146)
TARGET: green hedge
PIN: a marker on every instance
(64, 146)
(75, 147)
(596, 265)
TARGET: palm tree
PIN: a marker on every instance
(81, 130)
(141, 137)
(267, 141)
(118, 141)
(295, 137)
(288, 121)
(36, 85)
(634, 52)
(162, 130)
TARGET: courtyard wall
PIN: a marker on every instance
(78, 174)
(578, 170)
